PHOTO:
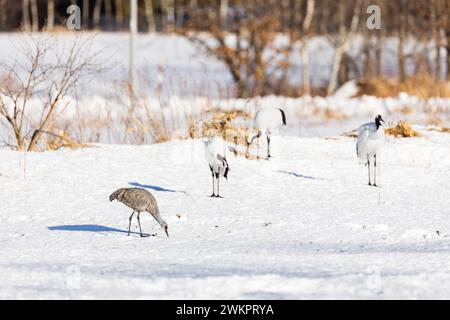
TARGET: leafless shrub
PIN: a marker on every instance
(38, 82)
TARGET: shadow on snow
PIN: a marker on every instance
(297, 175)
(87, 227)
(155, 188)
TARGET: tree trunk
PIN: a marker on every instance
(26, 25)
(3, 15)
(401, 34)
(151, 25)
(167, 7)
(343, 42)
(34, 16)
(304, 51)
(223, 13)
(306, 73)
(193, 12)
(378, 47)
(96, 14)
(401, 55)
(86, 16)
(50, 15)
(448, 55)
(119, 14)
(108, 14)
(367, 51)
(435, 28)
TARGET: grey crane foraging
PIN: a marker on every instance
(267, 119)
(371, 137)
(140, 200)
(216, 158)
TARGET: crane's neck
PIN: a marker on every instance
(377, 123)
(160, 220)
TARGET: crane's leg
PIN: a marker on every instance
(218, 181)
(268, 145)
(368, 167)
(129, 222)
(375, 171)
(212, 174)
(139, 222)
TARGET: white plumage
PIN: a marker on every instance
(216, 158)
(371, 138)
(267, 119)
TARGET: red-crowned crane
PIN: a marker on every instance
(267, 119)
(216, 158)
(370, 139)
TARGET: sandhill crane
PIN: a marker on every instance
(139, 200)
(216, 158)
(370, 139)
(267, 119)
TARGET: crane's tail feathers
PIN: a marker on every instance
(283, 116)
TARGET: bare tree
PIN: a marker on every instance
(257, 65)
(26, 24)
(44, 81)
(401, 35)
(34, 16)
(223, 13)
(96, 14)
(50, 15)
(119, 13)
(436, 31)
(151, 25)
(3, 15)
(86, 16)
(304, 49)
(446, 29)
(108, 13)
(343, 41)
(168, 7)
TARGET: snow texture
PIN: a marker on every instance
(302, 225)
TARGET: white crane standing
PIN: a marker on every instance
(267, 119)
(370, 139)
(216, 158)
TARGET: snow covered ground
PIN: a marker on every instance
(302, 225)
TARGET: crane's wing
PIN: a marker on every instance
(361, 143)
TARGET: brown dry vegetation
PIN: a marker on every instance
(440, 129)
(402, 129)
(423, 86)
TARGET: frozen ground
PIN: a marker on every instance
(302, 225)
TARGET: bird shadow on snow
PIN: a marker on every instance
(155, 188)
(88, 228)
(298, 175)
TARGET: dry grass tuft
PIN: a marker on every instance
(62, 140)
(350, 134)
(402, 129)
(439, 129)
(423, 86)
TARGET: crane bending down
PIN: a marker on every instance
(267, 119)
(139, 200)
(371, 138)
(216, 158)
